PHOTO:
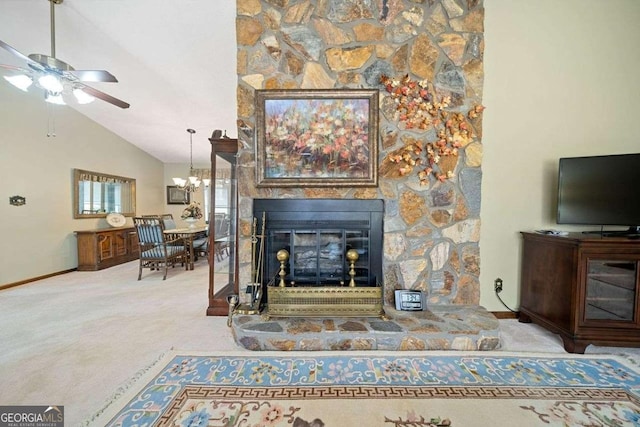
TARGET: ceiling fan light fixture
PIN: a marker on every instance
(21, 81)
(83, 97)
(54, 75)
(54, 98)
(50, 83)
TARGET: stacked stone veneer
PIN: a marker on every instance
(431, 232)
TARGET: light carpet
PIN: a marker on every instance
(380, 389)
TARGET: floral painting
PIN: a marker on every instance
(317, 137)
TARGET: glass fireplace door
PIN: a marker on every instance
(318, 257)
(358, 240)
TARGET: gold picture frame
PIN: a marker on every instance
(317, 138)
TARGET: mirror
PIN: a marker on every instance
(97, 194)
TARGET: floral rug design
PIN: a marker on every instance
(403, 389)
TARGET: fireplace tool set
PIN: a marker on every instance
(248, 302)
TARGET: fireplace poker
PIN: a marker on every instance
(254, 241)
(257, 284)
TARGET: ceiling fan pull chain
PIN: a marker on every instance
(51, 121)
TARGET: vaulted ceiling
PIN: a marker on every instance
(175, 61)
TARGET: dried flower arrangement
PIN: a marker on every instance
(418, 109)
(193, 210)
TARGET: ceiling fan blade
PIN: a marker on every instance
(14, 68)
(94, 76)
(15, 52)
(105, 97)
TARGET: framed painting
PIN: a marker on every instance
(317, 138)
(177, 196)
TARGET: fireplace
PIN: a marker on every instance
(333, 262)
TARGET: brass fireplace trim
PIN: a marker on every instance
(324, 301)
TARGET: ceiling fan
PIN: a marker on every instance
(56, 77)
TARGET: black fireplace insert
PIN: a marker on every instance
(317, 233)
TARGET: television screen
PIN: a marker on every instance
(600, 190)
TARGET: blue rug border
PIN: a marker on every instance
(310, 370)
(261, 369)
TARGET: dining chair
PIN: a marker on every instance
(169, 222)
(156, 251)
(201, 247)
(221, 237)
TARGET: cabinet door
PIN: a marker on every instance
(134, 246)
(105, 246)
(120, 243)
(610, 293)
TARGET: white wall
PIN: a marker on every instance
(37, 239)
(561, 79)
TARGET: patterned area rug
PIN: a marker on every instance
(376, 389)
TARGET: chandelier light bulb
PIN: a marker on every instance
(51, 83)
(206, 182)
(20, 81)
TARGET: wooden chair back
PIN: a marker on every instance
(150, 230)
(156, 251)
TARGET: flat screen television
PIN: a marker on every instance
(600, 190)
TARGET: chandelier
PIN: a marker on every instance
(191, 184)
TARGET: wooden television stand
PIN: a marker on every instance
(583, 287)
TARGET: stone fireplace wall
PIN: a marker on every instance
(432, 226)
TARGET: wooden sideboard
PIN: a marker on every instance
(584, 287)
(104, 248)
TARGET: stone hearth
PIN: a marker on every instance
(446, 327)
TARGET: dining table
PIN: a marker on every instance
(189, 234)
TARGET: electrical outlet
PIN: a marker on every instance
(497, 285)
